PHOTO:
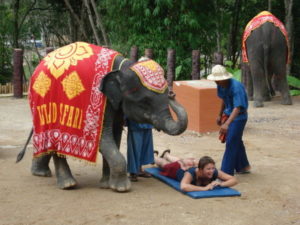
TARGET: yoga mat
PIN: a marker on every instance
(217, 192)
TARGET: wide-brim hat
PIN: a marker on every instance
(218, 73)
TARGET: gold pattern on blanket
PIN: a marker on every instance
(72, 85)
(61, 59)
(42, 84)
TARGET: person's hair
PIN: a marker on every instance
(204, 161)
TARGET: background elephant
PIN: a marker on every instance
(267, 52)
(126, 95)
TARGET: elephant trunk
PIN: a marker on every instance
(170, 126)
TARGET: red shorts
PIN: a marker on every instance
(170, 170)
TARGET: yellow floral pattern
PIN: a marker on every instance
(72, 85)
(61, 59)
(42, 84)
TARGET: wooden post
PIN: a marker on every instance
(134, 53)
(218, 58)
(49, 49)
(195, 65)
(171, 60)
(18, 73)
(149, 53)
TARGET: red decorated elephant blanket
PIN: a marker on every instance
(66, 104)
(255, 23)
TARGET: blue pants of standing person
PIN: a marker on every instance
(235, 157)
(139, 149)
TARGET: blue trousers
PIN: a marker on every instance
(139, 149)
(235, 157)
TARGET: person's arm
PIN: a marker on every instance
(224, 127)
(185, 184)
(226, 179)
(220, 113)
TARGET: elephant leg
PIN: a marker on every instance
(118, 179)
(250, 87)
(280, 82)
(259, 83)
(40, 166)
(64, 177)
(104, 182)
(283, 88)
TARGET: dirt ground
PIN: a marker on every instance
(270, 194)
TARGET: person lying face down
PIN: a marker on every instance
(193, 175)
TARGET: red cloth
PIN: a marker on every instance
(170, 170)
(256, 22)
(222, 137)
(66, 104)
(151, 75)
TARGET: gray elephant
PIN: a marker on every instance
(126, 93)
(265, 48)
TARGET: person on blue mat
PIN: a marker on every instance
(232, 120)
(193, 175)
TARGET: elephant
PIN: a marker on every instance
(126, 95)
(266, 51)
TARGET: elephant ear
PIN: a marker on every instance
(110, 87)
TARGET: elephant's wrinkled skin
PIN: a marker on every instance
(267, 55)
(126, 95)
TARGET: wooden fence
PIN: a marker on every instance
(17, 91)
(8, 88)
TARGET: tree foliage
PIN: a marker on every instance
(208, 26)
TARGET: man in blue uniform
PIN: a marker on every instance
(234, 110)
(139, 149)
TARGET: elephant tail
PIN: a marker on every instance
(266, 67)
(22, 153)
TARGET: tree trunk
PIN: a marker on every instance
(100, 24)
(134, 53)
(171, 61)
(18, 73)
(16, 24)
(195, 65)
(234, 29)
(270, 5)
(219, 18)
(87, 4)
(76, 18)
(289, 27)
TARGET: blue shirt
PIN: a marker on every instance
(137, 126)
(234, 96)
(192, 171)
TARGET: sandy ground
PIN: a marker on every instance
(270, 194)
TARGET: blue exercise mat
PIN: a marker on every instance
(217, 192)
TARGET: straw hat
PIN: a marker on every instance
(219, 73)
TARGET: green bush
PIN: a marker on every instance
(295, 84)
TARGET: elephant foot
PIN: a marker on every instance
(40, 166)
(258, 104)
(250, 98)
(267, 99)
(287, 101)
(104, 182)
(66, 183)
(44, 172)
(119, 183)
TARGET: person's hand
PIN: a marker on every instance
(208, 187)
(219, 121)
(224, 128)
(216, 183)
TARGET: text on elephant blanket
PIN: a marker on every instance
(67, 115)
